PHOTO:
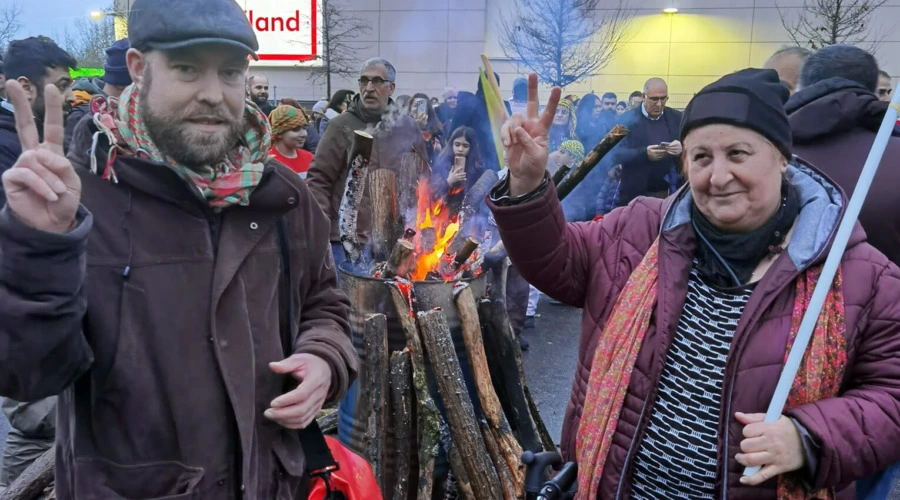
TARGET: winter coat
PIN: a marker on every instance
(312, 138)
(588, 264)
(640, 175)
(328, 173)
(10, 147)
(94, 87)
(155, 319)
(32, 432)
(834, 123)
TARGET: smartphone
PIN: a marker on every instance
(422, 107)
(665, 144)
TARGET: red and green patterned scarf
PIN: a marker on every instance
(617, 349)
(229, 182)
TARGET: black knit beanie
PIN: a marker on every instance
(750, 98)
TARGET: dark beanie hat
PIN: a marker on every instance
(750, 98)
(115, 71)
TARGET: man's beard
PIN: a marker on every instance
(260, 99)
(171, 135)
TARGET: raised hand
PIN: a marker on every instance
(42, 189)
(527, 143)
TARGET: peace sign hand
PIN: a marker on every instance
(527, 143)
(42, 188)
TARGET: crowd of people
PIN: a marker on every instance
(695, 243)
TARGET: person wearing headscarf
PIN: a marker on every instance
(288, 137)
(564, 123)
(692, 304)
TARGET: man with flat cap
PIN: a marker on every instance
(172, 285)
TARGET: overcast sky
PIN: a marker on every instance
(51, 17)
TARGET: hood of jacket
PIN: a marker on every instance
(822, 205)
(833, 106)
(330, 113)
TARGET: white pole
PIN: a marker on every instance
(782, 390)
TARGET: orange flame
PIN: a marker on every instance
(432, 214)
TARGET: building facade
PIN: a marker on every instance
(439, 43)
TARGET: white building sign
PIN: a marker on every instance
(287, 31)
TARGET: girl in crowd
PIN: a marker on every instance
(589, 129)
(564, 124)
(621, 108)
(458, 167)
(288, 137)
(339, 103)
(692, 303)
(421, 110)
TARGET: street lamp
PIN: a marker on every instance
(96, 14)
(671, 10)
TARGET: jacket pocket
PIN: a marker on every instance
(97, 478)
(291, 480)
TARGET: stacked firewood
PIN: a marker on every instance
(484, 452)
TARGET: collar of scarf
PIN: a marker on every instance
(620, 342)
(727, 260)
(229, 182)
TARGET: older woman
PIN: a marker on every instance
(692, 303)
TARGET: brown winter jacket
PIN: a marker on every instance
(155, 319)
(587, 264)
(834, 123)
(394, 135)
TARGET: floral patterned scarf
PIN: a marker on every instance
(227, 183)
(617, 349)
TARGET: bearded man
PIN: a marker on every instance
(142, 278)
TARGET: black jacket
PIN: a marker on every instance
(639, 174)
(10, 147)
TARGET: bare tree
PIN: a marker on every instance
(337, 30)
(564, 41)
(88, 41)
(826, 22)
(9, 23)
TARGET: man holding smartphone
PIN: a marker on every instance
(650, 154)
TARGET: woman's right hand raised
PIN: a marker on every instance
(42, 189)
(527, 143)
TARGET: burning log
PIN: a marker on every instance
(360, 152)
(508, 450)
(591, 160)
(464, 427)
(401, 399)
(427, 240)
(451, 264)
(472, 203)
(377, 390)
(560, 174)
(327, 420)
(429, 427)
(507, 374)
(398, 262)
(34, 480)
(383, 191)
(408, 175)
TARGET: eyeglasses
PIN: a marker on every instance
(658, 99)
(377, 81)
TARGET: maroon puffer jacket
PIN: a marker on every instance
(587, 264)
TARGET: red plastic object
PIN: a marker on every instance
(354, 478)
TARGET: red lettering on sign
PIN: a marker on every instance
(274, 23)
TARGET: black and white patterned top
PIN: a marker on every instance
(677, 455)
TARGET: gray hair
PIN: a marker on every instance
(844, 61)
(375, 61)
(794, 50)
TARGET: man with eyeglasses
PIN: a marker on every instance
(650, 154)
(368, 111)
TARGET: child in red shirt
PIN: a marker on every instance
(288, 137)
